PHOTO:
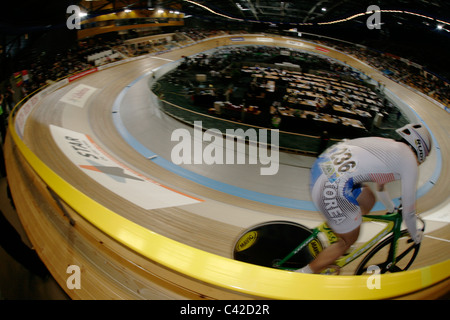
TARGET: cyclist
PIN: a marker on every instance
(338, 189)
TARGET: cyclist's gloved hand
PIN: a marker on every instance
(419, 236)
(410, 220)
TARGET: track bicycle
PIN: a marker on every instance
(289, 246)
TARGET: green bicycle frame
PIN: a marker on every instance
(393, 224)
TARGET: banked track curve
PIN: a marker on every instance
(173, 252)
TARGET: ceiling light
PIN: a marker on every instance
(212, 11)
(241, 8)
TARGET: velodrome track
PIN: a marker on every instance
(202, 217)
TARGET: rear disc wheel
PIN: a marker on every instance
(268, 243)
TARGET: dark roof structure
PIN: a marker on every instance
(404, 26)
(41, 13)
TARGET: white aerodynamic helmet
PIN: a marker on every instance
(418, 138)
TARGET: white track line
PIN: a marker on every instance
(436, 238)
(162, 59)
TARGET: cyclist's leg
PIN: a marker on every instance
(366, 200)
(334, 251)
(348, 234)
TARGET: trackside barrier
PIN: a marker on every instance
(224, 272)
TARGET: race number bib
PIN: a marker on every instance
(338, 162)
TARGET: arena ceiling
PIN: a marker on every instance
(40, 12)
(424, 22)
(312, 11)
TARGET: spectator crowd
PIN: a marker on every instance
(401, 71)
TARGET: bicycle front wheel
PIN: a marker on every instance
(407, 251)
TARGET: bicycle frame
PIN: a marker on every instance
(393, 224)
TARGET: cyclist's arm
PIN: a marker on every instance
(385, 198)
(409, 185)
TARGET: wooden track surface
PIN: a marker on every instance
(182, 223)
